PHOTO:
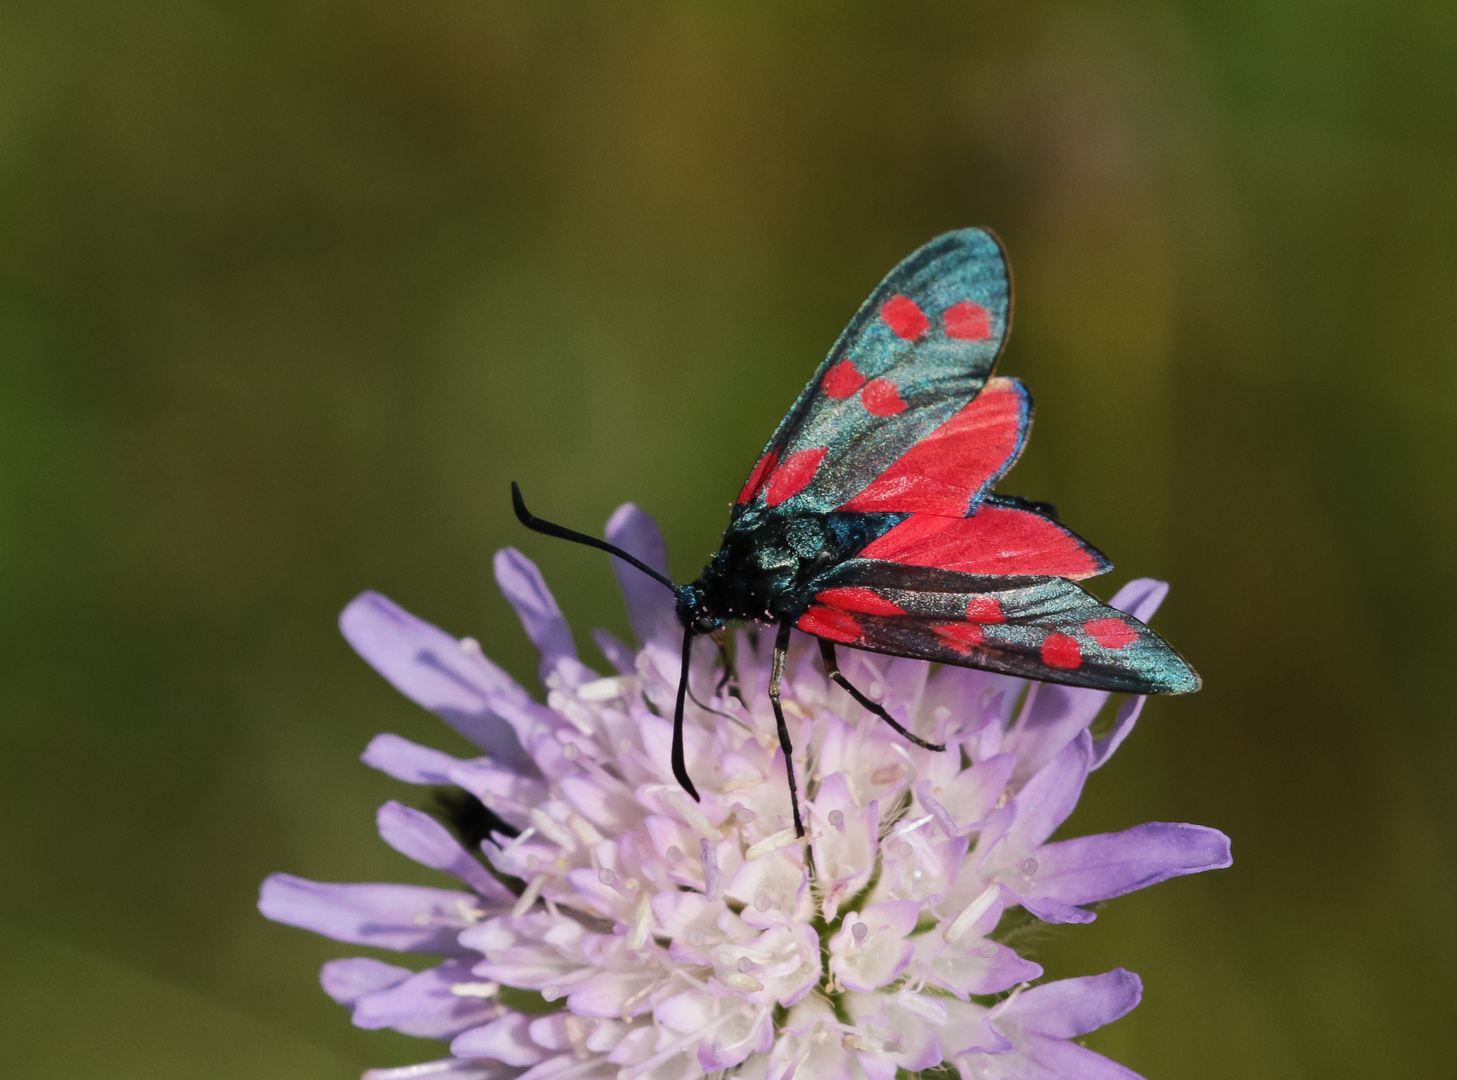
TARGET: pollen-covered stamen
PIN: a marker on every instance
(971, 913)
(859, 932)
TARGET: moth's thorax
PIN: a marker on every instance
(767, 560)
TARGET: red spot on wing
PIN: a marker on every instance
(881, 398)
(793, 476)
(830, 623)
(862, 600)
(967, 321)
(985, 609)
(1061, 651)
(996, 540)
(756, 478)
(1111, 633)
(842, 380)
(940, 474)
(963, 637)
(905, 319)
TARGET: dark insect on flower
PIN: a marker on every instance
(870, 521)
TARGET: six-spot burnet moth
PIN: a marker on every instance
(869, 520)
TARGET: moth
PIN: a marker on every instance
(870, 519)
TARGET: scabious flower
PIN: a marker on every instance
(618, 929)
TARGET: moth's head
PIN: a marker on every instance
(692, 610)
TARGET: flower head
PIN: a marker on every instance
(611, 926)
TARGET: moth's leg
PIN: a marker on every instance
(781, 649)
(832, 669)
(679, 769)
(730, 678)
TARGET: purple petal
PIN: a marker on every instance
(1141, 597)
(348, 980)
(649, 605)
(1041, 1058)
(446, 1069)
(407, 761)
(1110, 864)
(1050, 796)
(1121, 729)
(423, 1005)
(406, 918)
(1071, 1007)
(433, 669)
(1054, 911)
(505, 1040)
(1051, 718)
(419, 836)
(525, 590)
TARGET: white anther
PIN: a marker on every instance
(837, 819)
(528, 895)
(971, 913)
(783, 838)
(552, 829)
(926, 1007)
(642, 922)
(585, 830)
(476, 989)
(742, 781)
(606, 876)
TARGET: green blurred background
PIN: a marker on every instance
(289, 291)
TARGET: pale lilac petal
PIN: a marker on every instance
(525, 590)
(844, 841)
(348, 980)
(406, 918)
(446, 1069)
(649, 605)
(435, 670)
(507, 1040)
(1071, 1007)
(424, 1005)
(981, 967)
(1141, 597)
(420, 837)
(869, 960)
(1122, 727)
(619, 654)
(1091, 868)
(407, 761)
(612, 993)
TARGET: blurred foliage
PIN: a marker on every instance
(290, 291)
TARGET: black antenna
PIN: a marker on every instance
(537, 525)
